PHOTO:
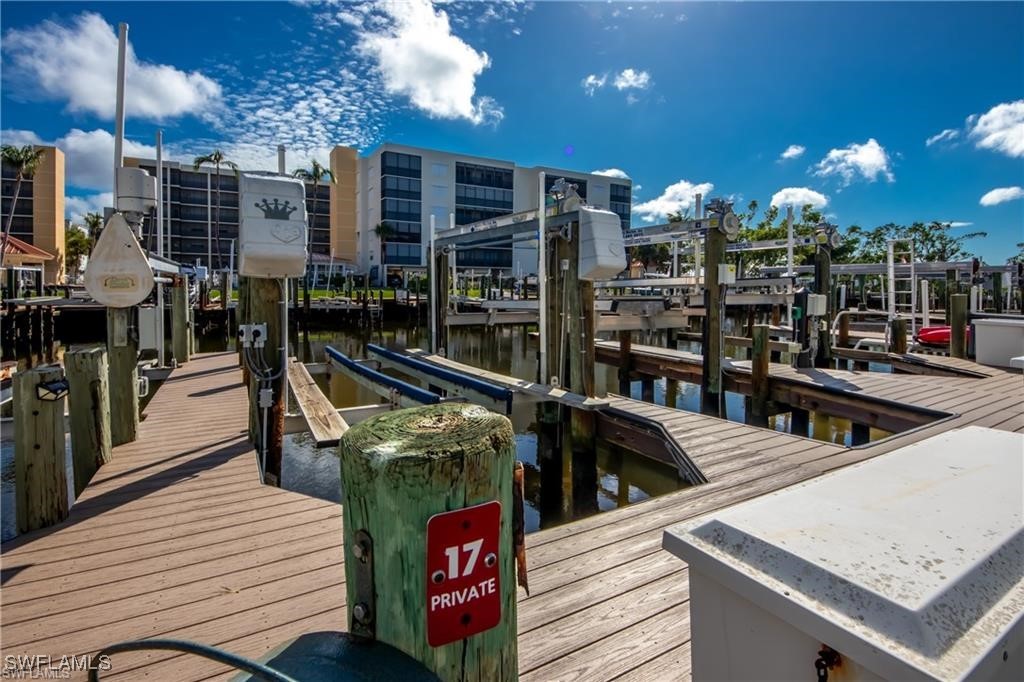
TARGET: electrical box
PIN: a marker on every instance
(726, 273)
(272, 229)
(908, 566)
(201, 273)
(148, 329)
(817, 305)
(136, 190)
(602, 253)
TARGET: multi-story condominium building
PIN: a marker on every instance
(190, 214)
(375, 217)
(39, 214)
(403, 187)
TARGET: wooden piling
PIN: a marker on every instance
(625, 361)
(264, 307)
(36, 340)
(823, 286)
(647, 389)
(800, 421)
(843, 335)
(48, 334)
(179, 322)
(397, 471)
(122, 359)
(757, 414)
(860, 434)
(958, 326)
(89, 408)
(898, 336)
(711, 334)
(997, 292)
(40, 473)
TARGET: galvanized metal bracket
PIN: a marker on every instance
(364, 609)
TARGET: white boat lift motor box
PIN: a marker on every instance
(910, 566)
(602, 253)
(272, 231)
(998, 340)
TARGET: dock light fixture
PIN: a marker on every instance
(52, 391)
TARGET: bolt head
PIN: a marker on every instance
(361, 612)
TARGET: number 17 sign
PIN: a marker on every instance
(463, 588)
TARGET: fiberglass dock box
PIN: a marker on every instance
(909, 566)
(998, 340)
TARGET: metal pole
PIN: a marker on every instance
(542, 278)
(890, 265)
(280, 160)
(122, 47)
(789, 240)
(432, 274)
(925, 312)
(209, 226)
(160, 245)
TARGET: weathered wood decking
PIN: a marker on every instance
(177, 538)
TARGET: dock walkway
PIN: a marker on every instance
(177, 538)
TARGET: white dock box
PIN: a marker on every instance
(998, 340)
(272, 233)
(602, 253)
(909, 566)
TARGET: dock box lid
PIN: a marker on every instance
(911, 563)
(998, 322)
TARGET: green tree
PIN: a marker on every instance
(25, 161)
(217, 159)
(93, 225)
(76, 245)
(1019, 258)
(384, 232)
(933, 242)
(773, 226)
(315, 174)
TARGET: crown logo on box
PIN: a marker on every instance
(277, 210)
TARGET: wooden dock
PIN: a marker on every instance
(177, 538)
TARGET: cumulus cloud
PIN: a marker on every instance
(868, 161)
(793, 151)
(631, 79)
(592, 83)
(1000, 129)
(75, 207)
(612, 173)
(417, 56)
(676, 197)
(76, 62)
(1001, 195)
(958, 223)
(799, 197)
(947, 135)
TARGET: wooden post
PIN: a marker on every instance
(625, 361)
(898, 336)
(711, 334)
(190, 335)
(397, 471)
(89, 407)
(997, 292)
(951, 288)
(647, 389)
(822, 285)
(122, 357)
(862, 298)
(843, 336)
(48, 335)
(958, 326)
(264, 307)
(757, 414)
(36, 341)
(40, 473)
(443, 273)
(859, 433)
(800, 420)
(179, 322)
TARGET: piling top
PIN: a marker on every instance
(911, 563)
(434, 432)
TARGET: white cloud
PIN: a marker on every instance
(959, 223)
(868, 160)
(799, 197)
(1001, 195)
(418, 56)
(676, 197)
(793, 151)
(592, 83)
(947, 135)
(1001, 128)
(88, 155)
(611, 173)
(629, 79)
(75, 207)
(20, 138)
(75, 62)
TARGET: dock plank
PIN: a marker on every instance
(325, 424)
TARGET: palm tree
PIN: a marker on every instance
(217, 159)
(315, 174)
(384, 232)
(25, 161)
(93, 225)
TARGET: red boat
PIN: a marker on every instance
(936, 336)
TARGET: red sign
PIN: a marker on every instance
(463, 576)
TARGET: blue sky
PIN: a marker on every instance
(877, 112)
